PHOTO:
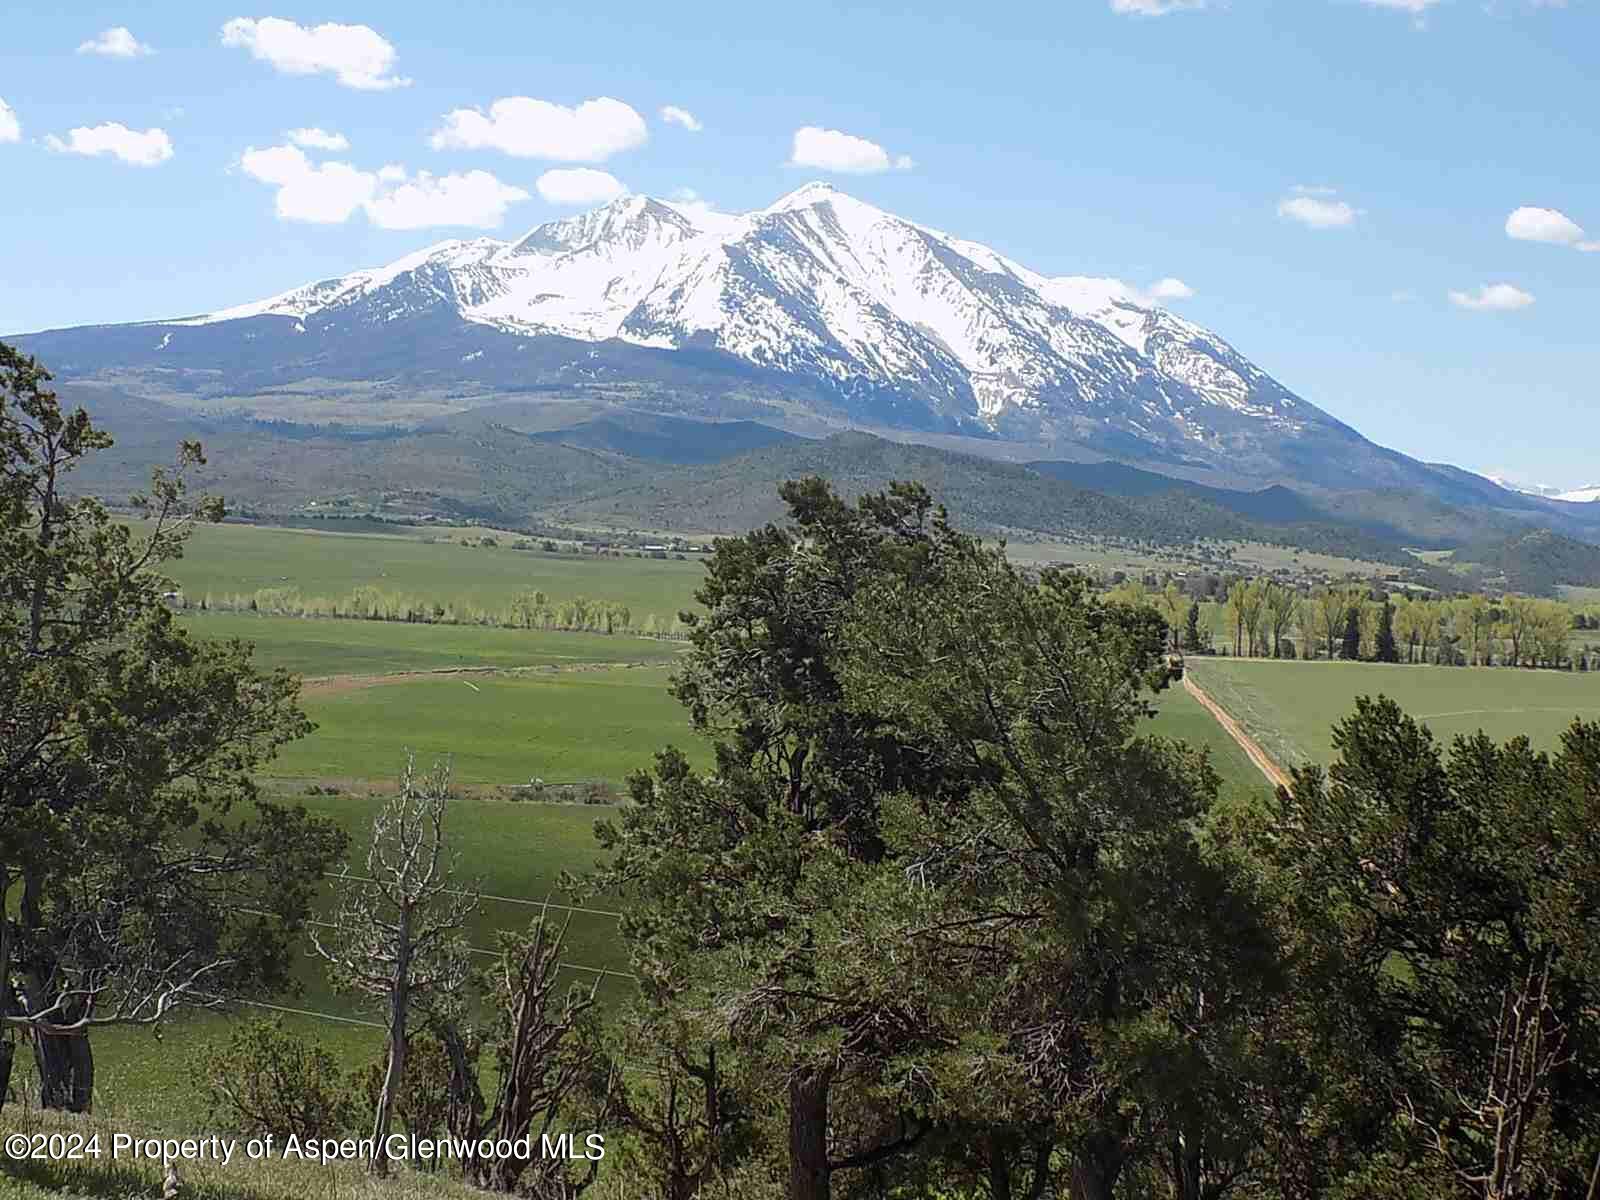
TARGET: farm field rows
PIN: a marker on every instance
(1291, 707)
(317, 646)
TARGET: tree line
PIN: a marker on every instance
(1270, 619)
(943, 919)
(531, 608)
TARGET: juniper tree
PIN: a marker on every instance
(1094, 971)
(736, 880)
(926, 864)
(140, 870)
(1443, 913)
(1386, 650)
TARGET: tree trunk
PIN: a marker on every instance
(1095, 1169)
(808, 1136)
(999, 1177)
(8, 1055)
(1187, 1176)
(66, 1071)
(399, 1001)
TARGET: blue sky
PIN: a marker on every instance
(1332, 178)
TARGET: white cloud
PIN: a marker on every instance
(831, 150)
(673, 115)
(1492, 297)
(688, 198)
(1170, 289)
(319, 193)
(1153, 8)
(528, 128)
(1317, 208)
(146, 149)
(477, 199)
(318, 139)
(330, 193)
(10, 127)
(116, 42)
(358, 56)
(579, 187)
(1548, 225)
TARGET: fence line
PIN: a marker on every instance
(597, 912)
(256, 912)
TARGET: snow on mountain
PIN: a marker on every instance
(1581, 495)
(823, 286)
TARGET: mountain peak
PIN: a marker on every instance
(889, 320)
(805, 196)
(630, 221)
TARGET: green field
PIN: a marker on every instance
(1291, 707)
(560, 726)
(315, 646)
(224, 559)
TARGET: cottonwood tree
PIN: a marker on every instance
(1308, 625)
(397, 936)
(1331, 609)
(140, 871)
(1281, 605)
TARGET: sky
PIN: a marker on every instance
(1393, 206)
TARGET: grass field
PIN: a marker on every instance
(559, 726)
(225, 559)
(1182, 717)
(1291, 707)
(317, 646)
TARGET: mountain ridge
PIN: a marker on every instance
(817, 313)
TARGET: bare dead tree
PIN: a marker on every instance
(550, 1070)
(1486, 1143)
(397, 935)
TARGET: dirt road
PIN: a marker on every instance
(1248, 744)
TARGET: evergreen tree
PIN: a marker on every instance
(1191, 628)
(1387, 650)
(140, 872)
(1351, 649)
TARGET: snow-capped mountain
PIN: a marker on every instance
(1545, 491)
(819, 301)
(825, 287)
